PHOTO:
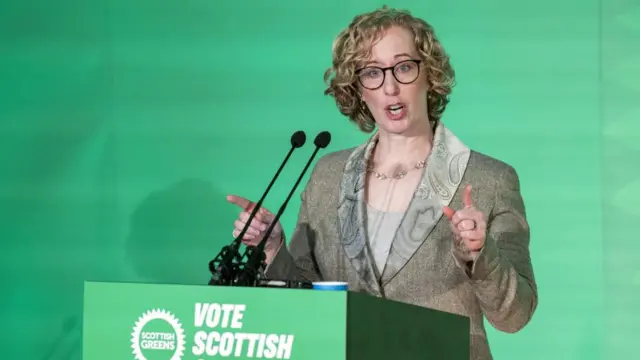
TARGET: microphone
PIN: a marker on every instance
(251, 271)
(223, 266)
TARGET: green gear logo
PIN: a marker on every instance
(158, 335)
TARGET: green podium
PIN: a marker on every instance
(180, 322)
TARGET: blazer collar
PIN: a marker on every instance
(441, 178)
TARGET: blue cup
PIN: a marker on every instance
(331, 285)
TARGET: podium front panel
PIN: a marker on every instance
(181, 322)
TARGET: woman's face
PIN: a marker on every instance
(398, 103)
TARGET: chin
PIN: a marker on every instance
(395, 126)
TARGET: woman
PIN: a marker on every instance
(411, 215)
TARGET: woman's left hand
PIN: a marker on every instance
(468, 224)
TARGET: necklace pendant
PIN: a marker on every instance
(401, 174)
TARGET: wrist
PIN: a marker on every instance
(273, 247)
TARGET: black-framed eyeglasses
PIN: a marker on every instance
(405, 72)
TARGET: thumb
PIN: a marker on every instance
(448, 212)
(244, 203)
(466, 197)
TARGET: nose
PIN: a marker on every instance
(391, 86)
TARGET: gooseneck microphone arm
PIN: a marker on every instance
(223, 266)
(251, 271)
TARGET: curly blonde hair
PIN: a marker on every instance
(349, 53)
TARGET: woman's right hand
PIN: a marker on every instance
(258, 226)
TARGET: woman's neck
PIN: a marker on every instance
(403, 149)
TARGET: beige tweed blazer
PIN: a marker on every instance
(424, 266)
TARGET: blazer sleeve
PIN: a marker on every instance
(502, 274)
(297, 262)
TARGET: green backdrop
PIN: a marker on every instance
(123, 125)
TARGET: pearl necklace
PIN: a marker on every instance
(401, 174)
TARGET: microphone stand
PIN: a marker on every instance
(225, 265)
(251, 271)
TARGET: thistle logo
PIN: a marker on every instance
(157, 335)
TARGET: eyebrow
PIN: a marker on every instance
(395, 56)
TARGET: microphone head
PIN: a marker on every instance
(298, 139)
(322, 139)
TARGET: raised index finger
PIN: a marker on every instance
(466, 197)
(244, 203)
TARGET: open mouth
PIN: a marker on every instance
(395, 109)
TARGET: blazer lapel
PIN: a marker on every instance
(441, 178)
(352, 213)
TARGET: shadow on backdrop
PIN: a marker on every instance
(174, 233)
(67, 343)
